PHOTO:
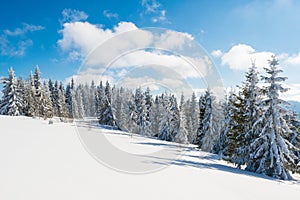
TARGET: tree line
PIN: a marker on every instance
(252, 128)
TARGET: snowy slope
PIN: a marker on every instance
(42, 161)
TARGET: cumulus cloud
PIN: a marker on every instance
(79, 38)
(240, 56)
(71, 15)
(110, 15)
(15, 42)
(164, 56)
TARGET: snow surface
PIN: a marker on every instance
(42, 161)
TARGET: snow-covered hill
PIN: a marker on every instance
(42, 161)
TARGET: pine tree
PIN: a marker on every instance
(155, 116)
(47, 109)
(29, 108)
(170, 123)
(247, 113)
(141, 113)
(100, 97)
(181, 136)
(130, 112)
(211, 126)
(107, 117)
(234, 128)
(194, 112)
(21, 85)
(38, 92)
(293, 120)
(271, 154)
(200, 130)
(69, 100)
(62, 97)
(11, 103)
(78, 103)
(119, 109)
(92, 103)
(55, 98)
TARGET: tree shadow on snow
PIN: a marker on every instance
(212, 166)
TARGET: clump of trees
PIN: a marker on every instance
(253, 128)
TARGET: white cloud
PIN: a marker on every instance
(216, 53)
(240, 57)
(110, 15)
(293, 93)
(294, 59)
(23, 30)
(161, 17)
(71, 15)
(165, 57)
(151, 6)
(81, 37)
(176, 64)
(174, 40)
(15, 42)
(154, 9)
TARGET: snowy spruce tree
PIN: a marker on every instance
(119, 105)
(181, 136)
(194, 119)
(210, 122)
(78, 111)
(106, 116)
(170, 123)
(270, 153)
(247, 112)
(38, 96)
(46, 103)
(11, 103)
(155, 116)
(234, 128)
(200, 130)
(142, 113)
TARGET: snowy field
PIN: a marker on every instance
(42, 161)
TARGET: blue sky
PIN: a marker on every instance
(232, 32)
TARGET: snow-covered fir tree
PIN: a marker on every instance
(155, 116)
(248, 112)
(78, 103)
(21, 85)
(11, 103)
(119, 104)
(38, 92)
(130, 112)
(142, 120)
(170, 123)
(29, 108)
(46, 103)
(194, 119)
(107, 117)
(200, 131)
(99, 101)
(234, 128)
(92, 102)
(69, 97)
(211, 123)
(270, 153)
(181, 136)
